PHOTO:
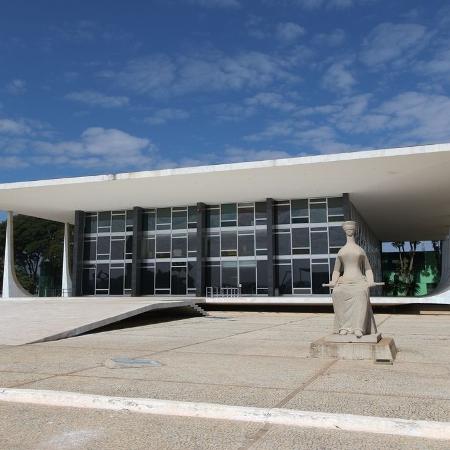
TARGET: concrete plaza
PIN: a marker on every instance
(254, 359)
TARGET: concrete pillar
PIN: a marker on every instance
(11, 285)
(137, 245)
(271, 268)
(66, 283)
(78, 245)
(200, 271)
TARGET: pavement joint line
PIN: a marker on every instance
(274, 416)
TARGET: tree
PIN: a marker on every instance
(35, 241)
(404, 281)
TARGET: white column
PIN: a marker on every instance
(11, 285)
(66, 285)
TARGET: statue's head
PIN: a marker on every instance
(349, 227)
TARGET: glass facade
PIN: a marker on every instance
(307, 234)
(107, 254)
(236, 247)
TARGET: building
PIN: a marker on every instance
(265, 228)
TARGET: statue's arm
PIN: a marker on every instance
(336, 272)
(368, 271)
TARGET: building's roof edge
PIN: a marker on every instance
(300, 160)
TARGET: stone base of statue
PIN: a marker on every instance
(372, 347)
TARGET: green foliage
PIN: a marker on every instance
(35, 241)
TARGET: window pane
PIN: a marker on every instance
(335, 206)
(90, 225)
(229, 274)
(261, 266)
(284, 279)
(179, 220)
(246, 217)
(229, 240)
(178, 280)
(179, 247)
(102, 281)
(318, 212)
(261, 239)
(148, 248)
(148, 280)
(129, 245)
(228, 211)
(103, 245)
(104, 219)
(246, 245)
(116, 282)
(163, 243)
(212, 276)
(283, 243)
(163, 216)
(260, 211)
(320, 275)
(128, 270)
(213, 246)
(162, 278)
(118, 224)
(300, 237)
(192, 214)
(247, 277)
(192, 242)
(148, 221)
(89, 281)
(319, 243)
(191, 274)
(301, 273)
(299, 208)
(337, 237)
(90, 252)
(213, 218)
(117, 249)
(282, 214)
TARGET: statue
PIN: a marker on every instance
(351, 280)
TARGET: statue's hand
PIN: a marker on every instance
(331, 284)
(374, 284)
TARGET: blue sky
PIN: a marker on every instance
(94, 86)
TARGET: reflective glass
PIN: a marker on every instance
(192, 242)
(90, 225)
(102, 279)
(337, 237)
(261, 239)
(163, 216)
(319, 243)
(335, 206)
(191, 274)
(162, 277)
(282, 214)
(284, 278)
(247, 277)
(260, 212)
(178, 281)
(103, 245)
(90, 253)
(246, 245)
(104, 219)
(213, 218)
(179, 247)
(261, 266)
(283, 243)
(299, 208)
(213, 246)
(300, 237)
(118, 224)
(228, 211)
(212, 276)
(148, 221)
(229, 274)
(128, 270)
(148, 280)
(88, 281)
(246, 216)
(117, 249)
(301, 273)
(116, 281)
(319, 276)
(163, 243)
(318, 212)
(179, 220)
(148, 248)
(229, 240)
(192, 214)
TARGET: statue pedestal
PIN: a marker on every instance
(369, 347)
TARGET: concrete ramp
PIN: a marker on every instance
(31, 320)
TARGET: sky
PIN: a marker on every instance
(92, 87)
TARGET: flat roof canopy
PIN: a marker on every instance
(403, 193)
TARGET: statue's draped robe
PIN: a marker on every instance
(351, 301)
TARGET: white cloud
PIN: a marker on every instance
(388, 42)
(316, 4)
(289, 32)
(16, 87)
(93, 98)
(165, 115)
(159, 75)
(338, 77)
(9, 126)
(332, 39)
(216, 3)
(271, 100)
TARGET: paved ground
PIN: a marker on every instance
(237, 358)
(35, 319)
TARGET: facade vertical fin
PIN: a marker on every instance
(136, 261)
(78, 246)
(271, 273)
(200, 271)
(66, 280)
(347, 207)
